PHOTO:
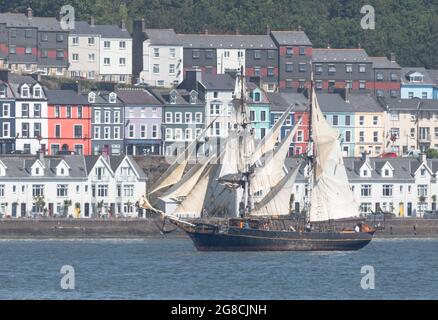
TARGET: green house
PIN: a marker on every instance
(260, 110)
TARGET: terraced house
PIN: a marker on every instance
(7, 115)
(100, 52)
(260, 110)
(70, 186)
(143, 117)
(33, 44)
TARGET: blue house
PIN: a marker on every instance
(7, 115)
(417, 83)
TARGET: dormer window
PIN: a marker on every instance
(91, 97)
(193, 97)
(2, 91)
(37, 171)
(37, 91)
(423, 172)
(112, 97)
(256, 96)
(173, 96)
(365, 173)
(386, 172)
(416, 77)
(24, 91)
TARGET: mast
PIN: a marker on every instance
(310, 152)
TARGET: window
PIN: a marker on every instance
(131, 130)
(289, 83)
(44, 53)
(28, 33)
(169, 134)
(375, 120)
(2, 190)
(68, 112)
(188, 117)
(394, 116)
(375, 136)
(198, 117)
(394, 77)
(302, 51)
(395, 133)
(271, 54)
(347, 135)
(178, 134)
(122, 61)
(37, 190)
(106, 44)
(318, 84)
(143, 131)
(365, 190)
(215, 109)
(178, 117)
(270, 71)
(59, 37)
(156, 68)
(188, 134)
(331, 69)
(122, 44)
(154, 131)
(263, 115)
(25, 130)
(102, 190)
(335, 120)
(361, 136)
(209, 54)
(57, 131)
(75, 57)
(37, 130)
(171, 69)
(318, 68)
(12, 49)
(393, 93)
(347, 120)
(78, 131)
(128, 190)
(422, 190)
(116, 116)
(289, 52)
(289, 67)
(362, 68)
(91, 57)
(300, 136)
(13, 33)
(107, 117)
(387, 190)
(168, 117)
(79, 109)
(361, 120)
(6, 129)
(379, 76)
(424, 95)
(257, 54)
(172, 53)
(6, 110)
(380, 92)
(257, 72)
(106, 133)
(116, 132)
(59, 54)
(74, 40)
(62, 190)
(79, 149)
(91, 41)
(252, 115)
(302, 67)
(25, 110)
(106, 61)
(97, 116)
(195, 54)
(348, 68)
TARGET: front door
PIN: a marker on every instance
(409, 209)
(50, 209)
(87, 210)
(401, 209)
(14, 209)
(23, 209)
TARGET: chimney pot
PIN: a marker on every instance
(92, 21)
(237, 31)
(268, 30)
(392, 56)
(123, 25)
(300, 28)
(29, 13)
(206, 31)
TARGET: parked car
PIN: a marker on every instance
(430, 214)
(65, 152)
(388, 155)
(412, 153)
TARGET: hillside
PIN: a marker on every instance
(407, 27)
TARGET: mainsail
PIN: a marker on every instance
(268, 142)
(277, 201)
(267, 176)
(331, 196)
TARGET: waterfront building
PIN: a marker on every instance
(183, 118)
(107, 122)
(70, 186)
(143, 118)
(69, 122)
(100, 52)
(30, 113)
(411, 124)
(7, 115)
(416, 83)
(31, 44)
(386, 77)
(260, 110)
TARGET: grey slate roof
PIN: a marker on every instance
(282, 101)
(106, 31)
(226, 41)
(183, 97)
(291, 38)
(384, 63)
(340, 55)
(66, 97)
(333, 102)
(433, 73)
(16, 80)
(222, 82)
(162, 36)
(20, 20)
(137, 96)
(409, 105)
(405, 72)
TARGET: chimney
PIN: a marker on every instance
(359, 46)
(268, 29)
(123, 25)
(392, 57)
(237, 31)
(328, 45)
(92, 22)
(29, 13)
(41, 155)
(300, 28)
(4, 75)
(206, 31)
(36, 76)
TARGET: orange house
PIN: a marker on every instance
(69, 122)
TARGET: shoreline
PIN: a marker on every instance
(131, 229)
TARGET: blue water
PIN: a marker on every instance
(173, 269)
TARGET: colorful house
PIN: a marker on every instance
(260, 110)
(7, 115)
(416, 83)
(69, 122)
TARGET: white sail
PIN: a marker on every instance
(277, 201)
(331, 196)
(193, 204)
(268, 142)
(188, 181)
(272, 172)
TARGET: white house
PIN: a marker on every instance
(76, 186)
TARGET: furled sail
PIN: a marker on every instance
(272, 172)
(331, 196)
(268, 142)
(277, 201)
(188, 181)
(193, 204)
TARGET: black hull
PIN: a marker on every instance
(261, 240)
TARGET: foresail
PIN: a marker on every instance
(267, 176)
(277, 201)
(268, 142)
(193, 204)
(331, 196)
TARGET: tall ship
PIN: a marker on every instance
(250, 182)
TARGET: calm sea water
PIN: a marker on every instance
(173, 269)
